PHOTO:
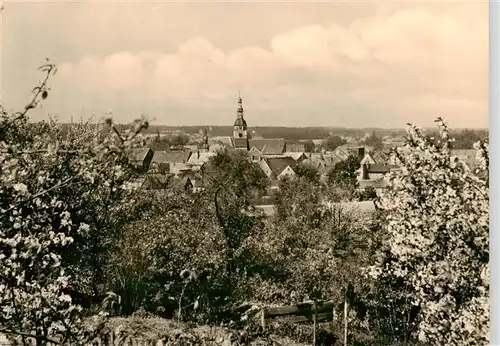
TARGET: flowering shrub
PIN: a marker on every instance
(48, 193)
(437, 239)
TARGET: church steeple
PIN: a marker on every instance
(240, 133)
(240, 107)
(204, 141)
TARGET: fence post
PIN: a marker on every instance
(335, 321)
(345, 319)
(314, 323)
(263, 318)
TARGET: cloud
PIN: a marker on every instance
(395, 66)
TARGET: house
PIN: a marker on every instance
(278, 168)
(344, 151)
(375, 158)
(394, 142)
(331, 159)
(220, 142)
(314, 157)
(185, 184)
(162, 160)
(198, 158)
(380, 157)
(254, 154)
(270, 146)
(368, 159)
(372, 175)
(179, 169)
(295, 148)
(297, 156)
(141, 158)
(374, 171)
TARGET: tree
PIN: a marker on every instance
(152, 252)
(179, 140)
(231, 181)
(314, 249)
(309, 146)
(438, 239)
(333, 142)
(44, 186)
(307, 171)
(374, 141)
(466, 139)
(300, 198)
(342, 178)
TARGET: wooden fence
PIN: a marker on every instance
(302, 312)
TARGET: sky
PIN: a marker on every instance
(336, 64)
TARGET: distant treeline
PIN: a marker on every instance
(289, 133)
(464, 137)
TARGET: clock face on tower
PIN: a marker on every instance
(240, 134)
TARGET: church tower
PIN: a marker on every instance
(204, 141)
(240, 132)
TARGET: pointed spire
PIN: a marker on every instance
(240, 106)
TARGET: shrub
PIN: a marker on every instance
(438, 239)
(49, 192)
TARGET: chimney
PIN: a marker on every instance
(361, 152)
(365, 175)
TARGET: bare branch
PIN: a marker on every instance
(39, 91)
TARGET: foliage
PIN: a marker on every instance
(149, 330)
(332, 142)
(166, 142)
(45, 186)
(178, 234)
(307, 171)
(309, 146)
(374, 141)
(231, 180)
(437, 240)
(464, 139)
(312, 248)
(212, 224)
(73, 224)
(343, 178)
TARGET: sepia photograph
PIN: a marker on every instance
(177, 173)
